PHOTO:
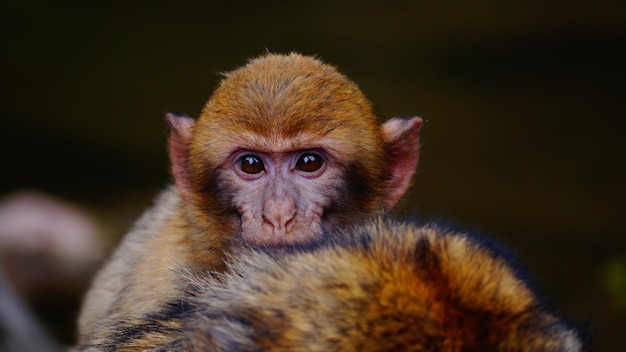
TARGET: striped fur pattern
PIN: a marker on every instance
(381, 286)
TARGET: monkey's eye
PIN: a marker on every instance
(309, 162)
(251, 164)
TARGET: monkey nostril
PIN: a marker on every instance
(266, 220)
(291, 220)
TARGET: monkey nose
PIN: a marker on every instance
(280, 217)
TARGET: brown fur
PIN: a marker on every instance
(278, 105)
(384, 286)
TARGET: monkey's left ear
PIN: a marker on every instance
(402, 139)
(181, 131)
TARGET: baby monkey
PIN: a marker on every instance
(285, 149)
(381, 286)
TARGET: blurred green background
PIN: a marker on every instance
(524, 103)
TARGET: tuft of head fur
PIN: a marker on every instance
(381, 286)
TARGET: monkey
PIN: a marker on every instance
(285, 149)
(382, 285)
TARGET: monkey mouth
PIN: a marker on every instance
(291, 234)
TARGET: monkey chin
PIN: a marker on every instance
(270, 236)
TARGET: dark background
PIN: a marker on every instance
(524, 104)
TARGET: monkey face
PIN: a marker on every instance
(281, 196)
(287, 146)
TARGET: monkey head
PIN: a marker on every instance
(287, 146)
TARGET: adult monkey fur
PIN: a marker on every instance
(285, 148)
(382, 286)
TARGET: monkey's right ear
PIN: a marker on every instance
(181, 132)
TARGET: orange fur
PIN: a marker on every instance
(290, 102)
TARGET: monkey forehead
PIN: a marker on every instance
(287, 95)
